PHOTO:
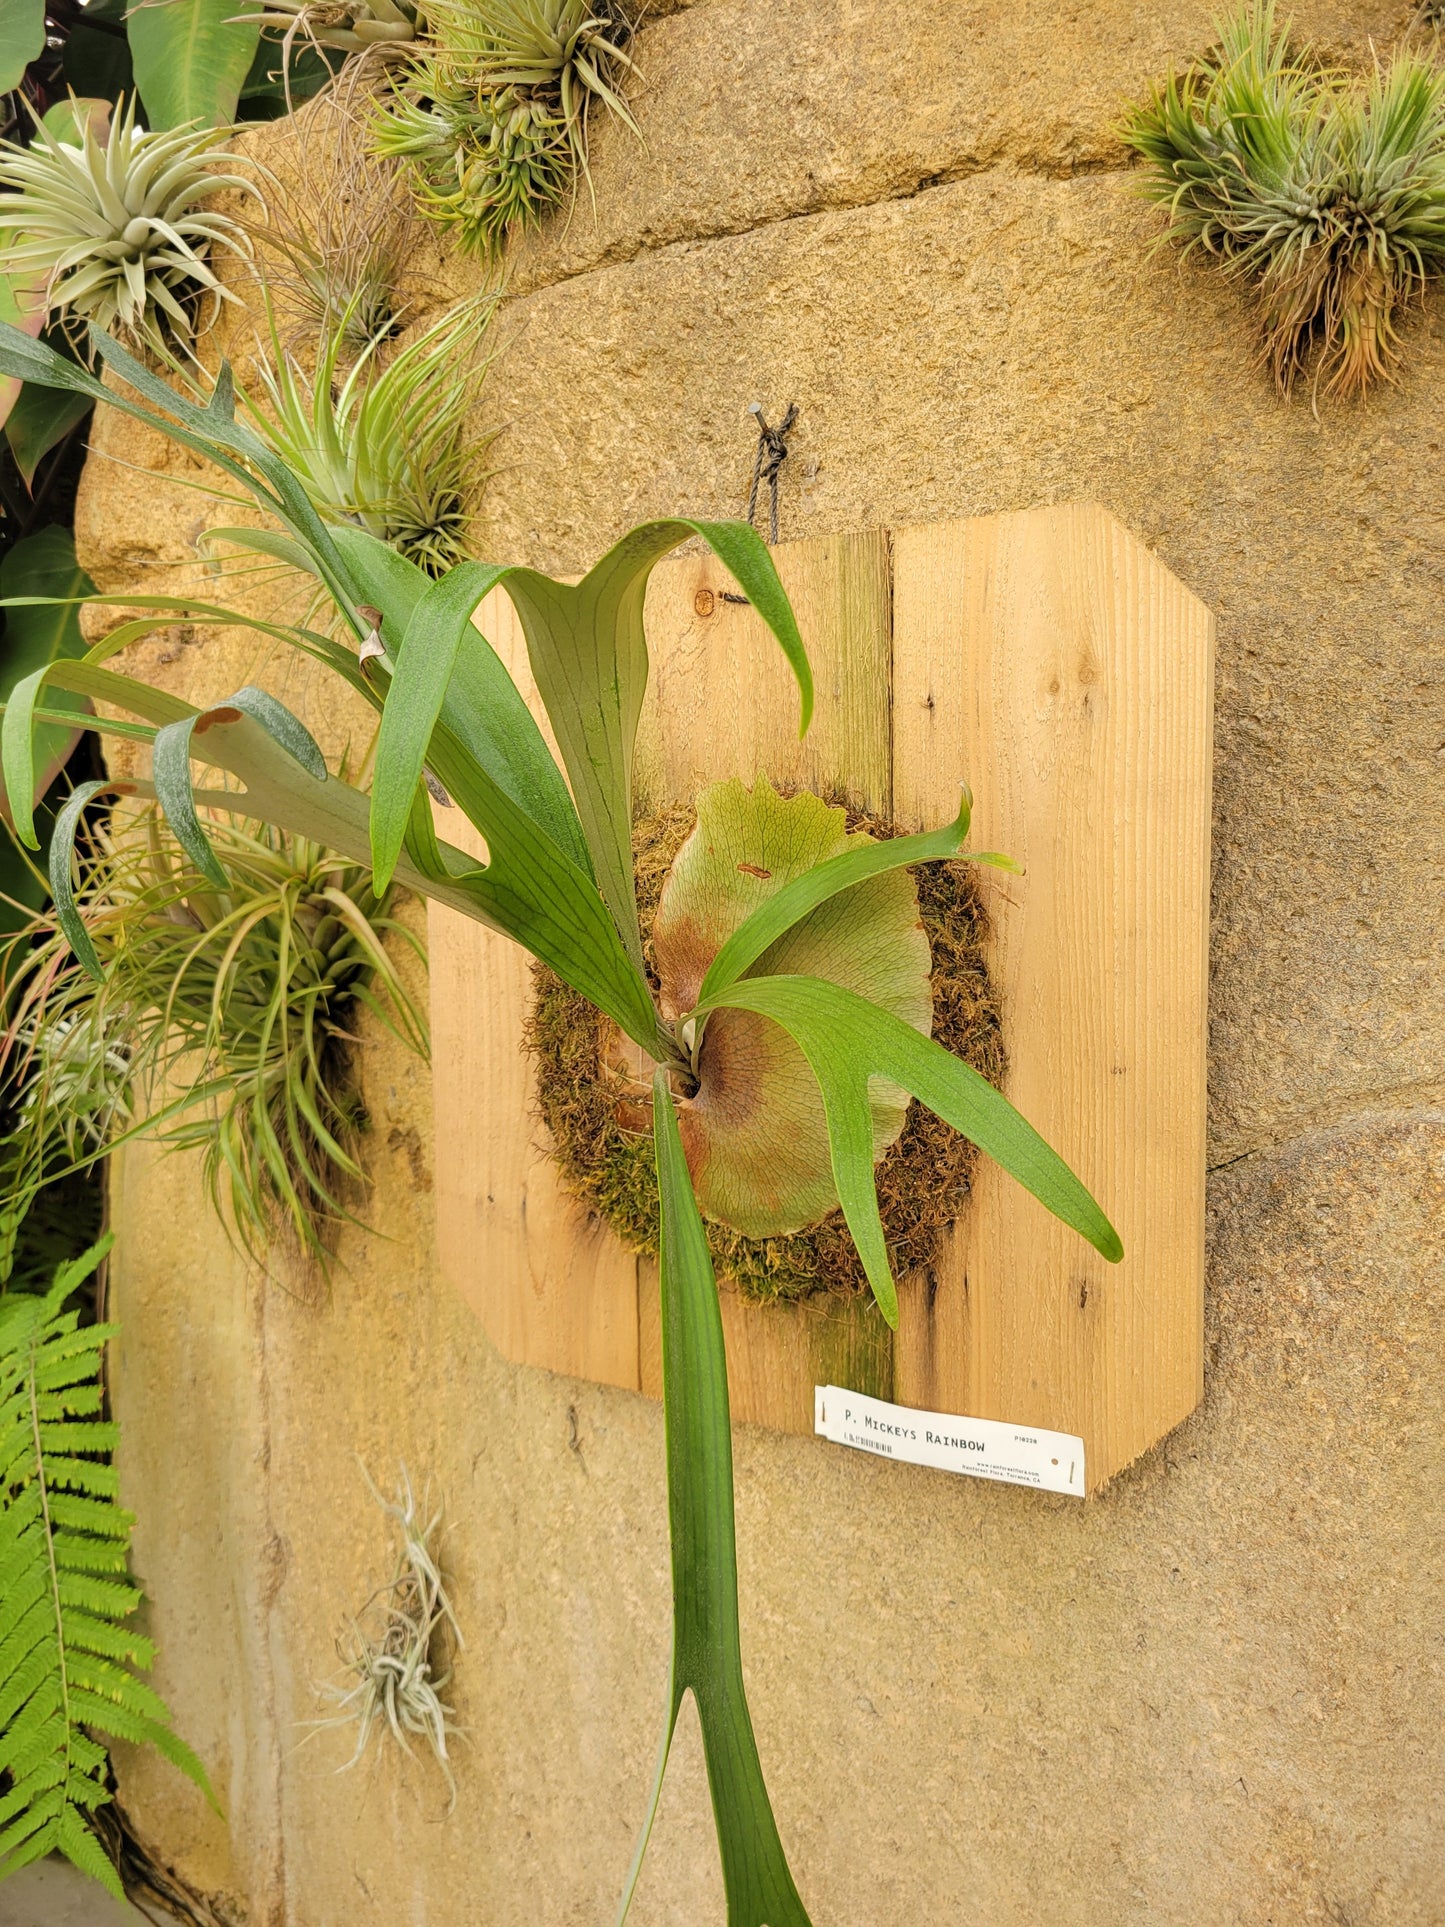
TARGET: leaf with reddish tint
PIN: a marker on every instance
(755, 1131)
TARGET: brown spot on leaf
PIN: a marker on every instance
(212, 716)
(753, 870)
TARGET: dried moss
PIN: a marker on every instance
(923, 1181)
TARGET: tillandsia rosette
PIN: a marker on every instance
(491, 120)
(222, 1021)
(107, 219)
(560, 881)
(389, 442)
(1324, 192)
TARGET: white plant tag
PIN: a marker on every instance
(983, 1448)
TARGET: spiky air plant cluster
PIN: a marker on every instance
(1324, 192)
(393, 1654)
(388, 443)
(224, 1022)
(492, 120)
(112, 225)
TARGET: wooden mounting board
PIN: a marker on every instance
(1055, 664)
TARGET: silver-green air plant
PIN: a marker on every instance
(491, 120)
(223, 1021)
(559, 880)
(388, 443)
(565, 50)
(1322, 192)
(379, 28)
(481, 167)
(395, 1675)
(113, 225)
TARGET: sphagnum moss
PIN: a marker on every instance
(923, 1182)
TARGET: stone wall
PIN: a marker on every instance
(1212, 1694)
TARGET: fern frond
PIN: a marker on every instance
(66, 1656)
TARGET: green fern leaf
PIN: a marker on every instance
(66, 1655)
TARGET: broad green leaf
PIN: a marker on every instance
(706, 1636)
(589, 655)
(22, 39)
(420, 676)
(847, 1040)
(37, 635)
(171, 775)
(191, 58)
(755, 1130)
(62, 888)
(40, 419)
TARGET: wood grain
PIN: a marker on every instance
(549, 1282)
(725, 704)
(1051, 660)
(1055, 664)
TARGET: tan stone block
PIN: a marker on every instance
(751, 114)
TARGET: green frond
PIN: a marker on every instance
(66, 1656)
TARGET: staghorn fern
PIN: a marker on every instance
(67, 1658)
(559, 880)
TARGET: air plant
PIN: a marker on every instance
(559, 880)
(567, 50)
(339, 236)
(491, 120)
(387, 444)
(481, 166)
(112, 222)
(1326, 195)
(395, 1673)
(380, 28)
(223, 1021)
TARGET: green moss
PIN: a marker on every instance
(923, 1182)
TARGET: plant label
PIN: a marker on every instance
(982, 1448)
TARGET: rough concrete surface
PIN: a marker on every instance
(1215, 1693)
(53, 1894)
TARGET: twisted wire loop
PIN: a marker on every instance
(772, 453)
